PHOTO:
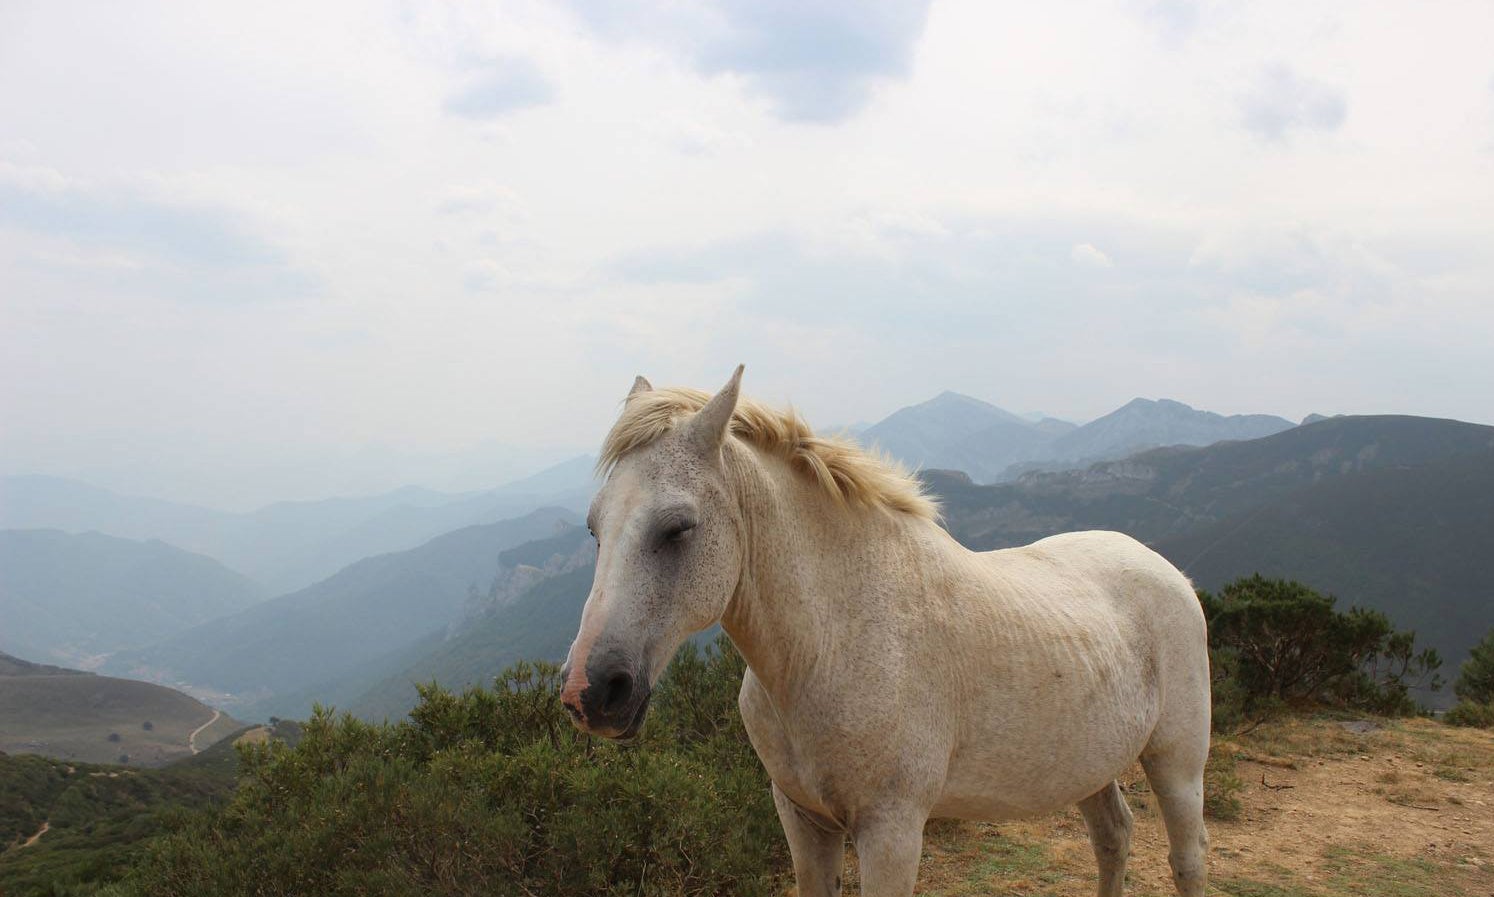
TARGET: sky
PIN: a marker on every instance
(263, 251)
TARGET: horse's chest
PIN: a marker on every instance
(828, 760)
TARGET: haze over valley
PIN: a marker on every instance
(452, 588)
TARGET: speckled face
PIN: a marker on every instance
(668, 561)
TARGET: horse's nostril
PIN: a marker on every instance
(615, 694)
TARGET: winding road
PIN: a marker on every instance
(192, 739)
(36, 837)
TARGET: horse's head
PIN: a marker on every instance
(668, 560)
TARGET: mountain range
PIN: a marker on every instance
(1385, 511)
(252, 659)
(287, 545)
(956, 432)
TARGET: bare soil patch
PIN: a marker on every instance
(1402, 808)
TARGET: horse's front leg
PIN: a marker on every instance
(818, 854)
(889, 846)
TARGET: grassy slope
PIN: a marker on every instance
(70, 717)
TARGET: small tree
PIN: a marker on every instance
(1476, 675)
(1475, 687)
(114, 737)
(1281, 641)
(147, 725)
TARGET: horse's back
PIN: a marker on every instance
(1112, 568)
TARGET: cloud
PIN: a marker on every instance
(502, 86)
(1175, 20)
(149, 242)
(479, 199)
(1281, 101)
(485, 276)
(814, 61)
(1085, 255)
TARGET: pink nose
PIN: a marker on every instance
(570, 695)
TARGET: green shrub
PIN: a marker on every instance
(1275, 642)
(1472, 714)
(1222, 785)
(492, 792)
(1476, 675)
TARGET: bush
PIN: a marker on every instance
(1275, 642)
(492, 792)
(1472, 714)
(1476, 675)
(1222, 785)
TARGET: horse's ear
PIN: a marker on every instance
(640, 384)
(710, 424)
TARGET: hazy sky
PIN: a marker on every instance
(256, 251)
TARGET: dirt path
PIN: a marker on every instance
(1405, 809)
(36, 837)
(192, 739)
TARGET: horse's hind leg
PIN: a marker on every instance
(1109, 822)
(817, 854)
(1175, 772)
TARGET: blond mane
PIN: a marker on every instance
(849, 474)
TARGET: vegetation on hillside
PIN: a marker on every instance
(492, 792)
(96, 818)
(1475, 687)
(538, 624)
(1408, 541)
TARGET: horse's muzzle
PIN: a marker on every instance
(614, 702)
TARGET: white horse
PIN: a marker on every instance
(893, 675)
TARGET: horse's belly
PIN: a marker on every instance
(1043, 762)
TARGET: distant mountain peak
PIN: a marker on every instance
(950, 398)
(1144, 404)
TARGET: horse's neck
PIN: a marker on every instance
(812, 572)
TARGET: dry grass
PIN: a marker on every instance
(1405, 810)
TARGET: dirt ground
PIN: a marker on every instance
(1326, 809)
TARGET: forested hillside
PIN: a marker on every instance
(1413, 542)
(326, 631)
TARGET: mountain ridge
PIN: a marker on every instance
(953, 431)
(324, 631)
(71, 597)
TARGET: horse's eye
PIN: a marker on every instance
(677, 532)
